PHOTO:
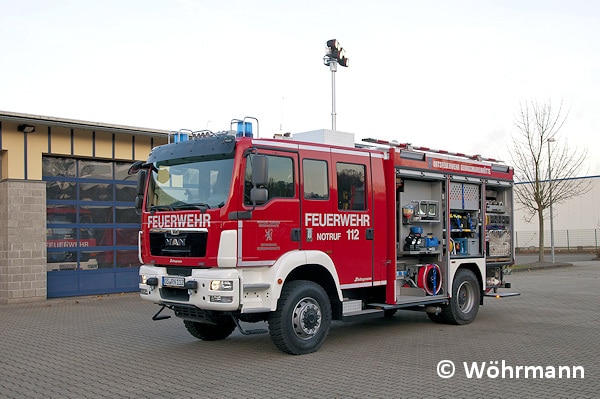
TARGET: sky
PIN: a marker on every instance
(448, 75)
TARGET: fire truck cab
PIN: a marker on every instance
(242, 229)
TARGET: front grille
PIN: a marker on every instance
(183, 245)
(190, 312)
(179, 271)
(174, 294)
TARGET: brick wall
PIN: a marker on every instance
(22, 241)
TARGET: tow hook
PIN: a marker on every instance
(157, 315)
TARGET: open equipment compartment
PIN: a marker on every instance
(420, 236)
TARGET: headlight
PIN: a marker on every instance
(221, 285)
(149, 280)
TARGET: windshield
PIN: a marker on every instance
(194, 185)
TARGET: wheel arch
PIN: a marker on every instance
(476, 270)
(313, 266)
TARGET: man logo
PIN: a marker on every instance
(175, 242)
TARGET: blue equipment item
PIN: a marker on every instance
(416, 230)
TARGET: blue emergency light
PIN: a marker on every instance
(244, 129)
(178, 136)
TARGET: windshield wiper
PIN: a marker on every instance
(161, 208)
(188, 205)
(180, 205)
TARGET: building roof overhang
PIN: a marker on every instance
(79, 124)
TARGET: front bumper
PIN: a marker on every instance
(210, 289)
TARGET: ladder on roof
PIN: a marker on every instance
(408, 146)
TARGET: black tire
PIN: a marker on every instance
(436, 318)
(464, 304)
(210, 332)
(301, 322)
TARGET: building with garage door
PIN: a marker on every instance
(67, 222)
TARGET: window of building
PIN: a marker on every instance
(91, 222)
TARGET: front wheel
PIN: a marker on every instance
(302, 319)
(464, 303)
(211, 332)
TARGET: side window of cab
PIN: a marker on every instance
(351, 187)
(316, 184)
(281, 178)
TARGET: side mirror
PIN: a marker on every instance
(135, 167)
(141, 185)
(259, 196)
(260, 170)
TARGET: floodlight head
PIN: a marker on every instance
(336, 52)
(26, 128)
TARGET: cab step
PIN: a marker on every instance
(248, 332)
(352, 310)
(361, 315)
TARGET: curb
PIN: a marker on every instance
(536, 266)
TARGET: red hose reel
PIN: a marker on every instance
(430, 279)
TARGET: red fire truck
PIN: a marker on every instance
(238, 228)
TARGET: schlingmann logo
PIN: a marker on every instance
(500, 369)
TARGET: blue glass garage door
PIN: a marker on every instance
(92, 227)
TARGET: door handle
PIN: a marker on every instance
(296, 235)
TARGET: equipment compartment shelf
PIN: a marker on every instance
(416, 221)
(421, 211)
(419, 252)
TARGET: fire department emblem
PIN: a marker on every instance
(269, 234)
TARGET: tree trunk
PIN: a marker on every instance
(541, 236)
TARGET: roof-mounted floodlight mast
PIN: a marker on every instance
(335, 55)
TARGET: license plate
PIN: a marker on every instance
(170, 281)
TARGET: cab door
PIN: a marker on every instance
(273, 228)
(338, 213)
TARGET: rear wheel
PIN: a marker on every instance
(211, 332)
(464, 304)
(437, 318)
(302, 319)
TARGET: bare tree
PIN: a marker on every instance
(545, 167)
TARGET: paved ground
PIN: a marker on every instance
(565, 257)
(97, 347)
